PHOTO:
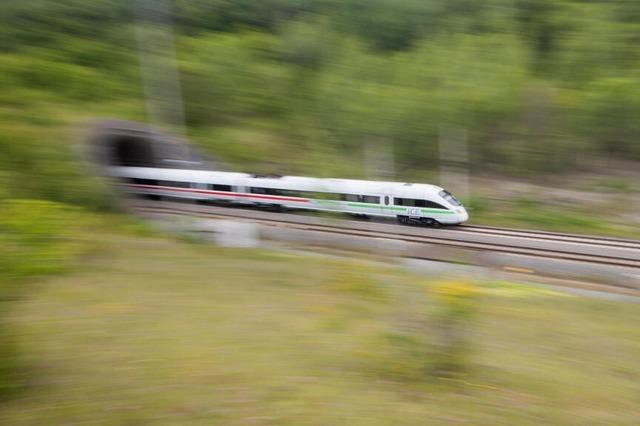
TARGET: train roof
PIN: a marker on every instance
(355, 186)
(200, 176)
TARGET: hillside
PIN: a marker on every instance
(314, 87)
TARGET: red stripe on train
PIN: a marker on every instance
(227, 194)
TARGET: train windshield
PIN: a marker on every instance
(450, 198)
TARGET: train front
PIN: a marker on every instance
(455, 205)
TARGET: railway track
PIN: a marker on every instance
(551, 236)
(611, 252)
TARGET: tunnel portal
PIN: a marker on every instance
(132, 151)
(124, 143)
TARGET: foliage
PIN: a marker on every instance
(611, 108)
(302, 86)
(458, 304)
(36, 238)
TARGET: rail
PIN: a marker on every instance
(409, 234)
(551, 236)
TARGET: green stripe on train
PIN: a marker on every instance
(327, 202)
(371, 205)
(439, 211)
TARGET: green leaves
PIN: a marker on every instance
(611, 107)
(37, 237)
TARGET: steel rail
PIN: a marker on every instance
(550, 236)
(403, 236)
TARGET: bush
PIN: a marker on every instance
(37, 237)
(609, 120)
(430, 343)
(457, 308)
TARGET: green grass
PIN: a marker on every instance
(535, 214)
(152, 331)
(609, 184)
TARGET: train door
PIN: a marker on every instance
(385, 205)
(199, 187)
(242, 190)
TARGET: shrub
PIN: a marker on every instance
(452, 348)
(37, 237)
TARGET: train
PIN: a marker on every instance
(409, 203)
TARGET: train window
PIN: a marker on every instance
(324, 195)
(370, 199)
(287, 193)
(386, 200)
(216, 187)
(284, 192)
(175, 184)
(411, 202)
(300, 194)
(349, 197)
(450, 198)
(143, 181)
(433, 205)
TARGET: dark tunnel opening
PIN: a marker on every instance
(130, 144)
(132, 151)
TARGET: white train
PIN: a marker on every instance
(408, 202)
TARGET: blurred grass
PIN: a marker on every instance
(37, 238)
(163, 332)
(539, 213)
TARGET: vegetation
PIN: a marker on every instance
(156, 331)
(36, 238)
(307, 86)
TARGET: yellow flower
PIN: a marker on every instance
(456, 291)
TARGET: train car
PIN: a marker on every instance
(408, 202)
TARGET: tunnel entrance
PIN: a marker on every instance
(132, 151)
(129, 144)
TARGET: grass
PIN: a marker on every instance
(530, 213)
(153, 331)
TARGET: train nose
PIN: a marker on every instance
(463, 216)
